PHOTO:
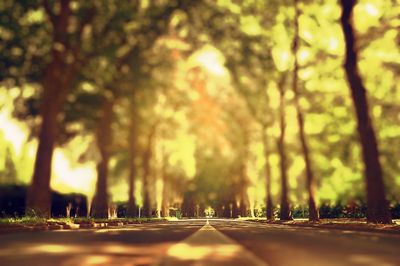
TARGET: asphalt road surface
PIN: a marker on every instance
(200, 243)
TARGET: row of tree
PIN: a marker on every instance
(250, 60)
(83, 56)
(111, 69)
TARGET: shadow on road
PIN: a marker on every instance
(133, 245)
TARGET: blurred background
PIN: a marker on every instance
(168, 108)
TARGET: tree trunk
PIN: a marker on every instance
(269, 208)
(165, 187)
(147, 155)
(165, 197)
(56, 83)
(235, 210)
(243, 203)
(227, 210)
(285, 208)
(310, 182)
(38, 199)
(132, 209)
(164, 203)
(104, 142)
(243, 207)
(188, 206)
(146, 210)
(201, 210)
(377, 205)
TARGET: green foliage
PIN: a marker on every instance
(208, 133)
(9, 174)
(27, 220)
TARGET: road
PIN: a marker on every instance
(281, 245)
(200, 243)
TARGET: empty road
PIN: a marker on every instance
(200, 243)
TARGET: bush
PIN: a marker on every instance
(13, 203)
(328, 212)
(300, 212)
(395, 211)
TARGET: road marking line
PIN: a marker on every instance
(209, 247)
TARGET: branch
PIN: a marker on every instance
(374, 33)
(87, 19)
(49, 12)
(242, 91)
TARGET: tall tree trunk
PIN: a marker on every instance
(146, 210)
(243, 207)
(188, 206)
(165, 187)
(38, 199)
(165, 201)
(235, 209)
(165, 192)
(269, 208)
(132, 209)
(201, 210)
(56, 83)
(226, 213)
(310, 182)
(104, 142)
(243, 203)
(377, 205)
(285, 208)
(147, 156)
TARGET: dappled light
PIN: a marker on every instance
(105, 254)
(152, 111)
(131, 117)
(211, 248)
(97, 247)
(187, 252)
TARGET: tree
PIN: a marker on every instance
(82, 35)
(57, 80)
(248, 59)
(160, 23)
(263, 119)
(104, 143)
(378, 206)
(165, 203)
(132, 210)
(147, 170)
(284, 208)
(312, 206)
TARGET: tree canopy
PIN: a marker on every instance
(247, 107)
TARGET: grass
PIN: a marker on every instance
(251, 218)
(27, 220)
(33, 220)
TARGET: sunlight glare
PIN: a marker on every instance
(372, 10)
(211, 59)
(12, 131)
(303, 56)
(80, 179)
(51, 248)
(281, 58)
(196, 252)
